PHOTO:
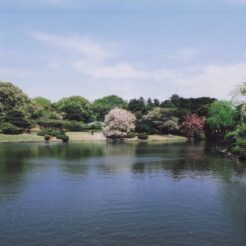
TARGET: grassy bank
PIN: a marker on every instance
(166, 138)
(33, 137)
(98, 136)
(83, 137)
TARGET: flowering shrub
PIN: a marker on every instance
(118, 122)
(192, 126)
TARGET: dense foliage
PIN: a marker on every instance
(13, 98)
(191, 117)
(159, 121)
(236, 137)
(19, 119)
(189, 106)
(103, 105)
(143, 136)
(76, 108)
(43, 102)
(78, 114)
(221, 118)
(137, 106)
(8, 128)
(16, 109)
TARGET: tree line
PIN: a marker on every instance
(192, 117)
(18, 109)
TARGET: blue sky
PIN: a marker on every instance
(132, 48)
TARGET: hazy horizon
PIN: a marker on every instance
(59, 48)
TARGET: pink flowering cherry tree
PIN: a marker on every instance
(118, 123)
(192, 126)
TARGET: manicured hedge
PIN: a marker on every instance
(131, 135)
(64, 138)
(143, 136)
(8, 128)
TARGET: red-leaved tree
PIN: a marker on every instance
(192, 126)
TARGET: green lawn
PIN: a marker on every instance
(86, 136)
(166, 138)
(33, 137)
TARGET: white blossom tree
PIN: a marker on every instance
(118, 122)
(239, 94)
(239, 98)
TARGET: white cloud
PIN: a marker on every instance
(98, 66)
(119, 71)
(85, 46)
(212, 80)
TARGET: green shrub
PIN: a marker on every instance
(231, 135)
(47, 137)
(43, 132)
(235, 150)
(63, 137)
(242, 131)
(143, 136)
(131, 135)
(74, 126)
(8, 128)
(53, 133)
(241, 143)
(202, 136)
(18, 119)
(55, 124)
(59, 135)
(142, 127)
(62, 125)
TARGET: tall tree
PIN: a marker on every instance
(103, 105)
(221, 118)
(43, 102)
(156, 102)
(192, 126)
(76, 108)
(150, 105)
(118, 122)
(137, 106)
(159, 120)
(13, 98)
(239, 93)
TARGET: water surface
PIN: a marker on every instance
(120, 194)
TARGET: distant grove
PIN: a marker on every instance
(192, 117)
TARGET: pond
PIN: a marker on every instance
(120, 194)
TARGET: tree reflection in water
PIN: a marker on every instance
(177, 160)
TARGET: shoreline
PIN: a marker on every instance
(230, 155)
(86, 137)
